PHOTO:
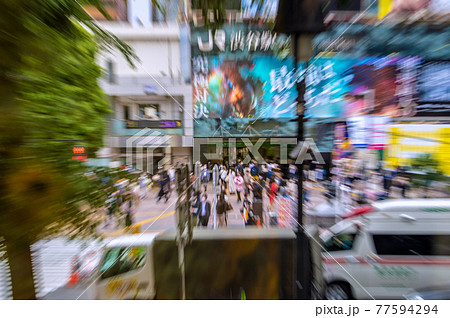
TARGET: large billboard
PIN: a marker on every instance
(244, 83)
(412, 141)
(434, 89)
(409, 7)
(339, 87)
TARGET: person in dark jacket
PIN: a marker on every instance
(257, 189)
(164, 184)
(222, 208)
(204, 211)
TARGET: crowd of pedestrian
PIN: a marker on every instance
(246, 184)
(352, 184)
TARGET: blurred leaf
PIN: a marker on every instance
(49, 92)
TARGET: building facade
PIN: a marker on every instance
(151, 123)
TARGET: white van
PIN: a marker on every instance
(219, 264)
(387, 249)
(126, 270)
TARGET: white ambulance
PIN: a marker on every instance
(387, 249)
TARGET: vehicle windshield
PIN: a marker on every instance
(341, 242)
(336, 229)
(120, 260)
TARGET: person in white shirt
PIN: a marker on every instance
(231, 184)
(223, 175)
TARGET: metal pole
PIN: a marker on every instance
(184, 234)
(215, 192)
(302, 285)
(197, 172)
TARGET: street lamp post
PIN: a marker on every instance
(302, 19)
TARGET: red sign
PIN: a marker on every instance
(79, 153)
(78, 150)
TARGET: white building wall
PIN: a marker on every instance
(139, 12)
(158, 49)
(159, 53)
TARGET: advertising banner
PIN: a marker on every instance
(342, 147)
(338, 87)
(379, 132)
(409, 7)
(359, 131)
(243, 82)
(368, 131)
(410, 141)
(285, 213)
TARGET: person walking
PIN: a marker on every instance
(204, 211)
(257, 189)
(387, 181)
(247, 180)
(172, 173)
(164, 186)
(221, 209)
(254, 170)
(195, 207)
(240, 168)
(273, 189)
(231, 183)
(204, 177)
(239, 183)
(143, 182)
(247, 214)
(223, 175)
(245, 200)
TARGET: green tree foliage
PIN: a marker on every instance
(49, 93)
(425, 162)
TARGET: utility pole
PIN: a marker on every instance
(216, 191)
(302, 20)
(185, 225)
(301, 287)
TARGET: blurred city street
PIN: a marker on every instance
(274, 149)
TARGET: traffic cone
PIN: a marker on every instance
(73, 279)
(74, 275)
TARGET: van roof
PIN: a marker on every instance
(234, 233)
(143, 239)
(414, 205)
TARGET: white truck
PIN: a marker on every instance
(219, 264)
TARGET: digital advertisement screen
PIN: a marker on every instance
(340, 87)
(244, 82)
(434, 82)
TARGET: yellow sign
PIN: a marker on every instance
(384, 7)
(409, 141)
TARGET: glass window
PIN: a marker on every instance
(110, 71)
(340, 242)
(149, 111)
(121, 260)
(126, 113)
(419, 245)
